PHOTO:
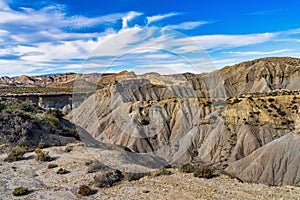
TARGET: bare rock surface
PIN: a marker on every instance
(45, 183)
(276, 163)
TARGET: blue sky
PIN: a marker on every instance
(166, 36)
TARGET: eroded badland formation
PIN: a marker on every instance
(241, 122)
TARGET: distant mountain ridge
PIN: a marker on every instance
(65, 80)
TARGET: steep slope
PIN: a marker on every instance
(262, 75)
(276, 163)
(24, 122)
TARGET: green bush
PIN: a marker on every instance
(27, 107)
(161, 172)
(42, 155)
(47, 118)
(2, 106)
(20, 191)
(203, 172)
(16, 154)
(187, 168)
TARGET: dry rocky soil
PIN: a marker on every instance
(45, 183)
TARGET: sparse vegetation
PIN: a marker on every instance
(187, 168)
(42, 155)
(24, 90)
(281, 113)
(84, 190)
(130, 176)
(20, 191)
(26, 122)
(161, 172)
(203, 172)
(16, 154)
(271, 100)
(108, 178)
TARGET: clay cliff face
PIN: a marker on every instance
(215, 118)
(262, 75)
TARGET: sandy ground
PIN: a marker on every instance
(46, 184)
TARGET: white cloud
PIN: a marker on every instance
(187, 25)
(3, 5)
(50, 24)
(230, 41)
(130, 16)
(47, 40)
(259, 53)
(159, 17)
(54, 16)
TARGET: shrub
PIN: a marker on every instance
(2, 106)
(108, 178)
(27, 107)
(47, 118)
(161, 172)
(62, 171)
(51, 166)
(203, 172)
(84, 190)
(187, 168)
(42, 155)
(20, 191)
(236, 100)
(281, 113)
(271, 100)
(135, 176)
(16, 154)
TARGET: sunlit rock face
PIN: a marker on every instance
(214, 118)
